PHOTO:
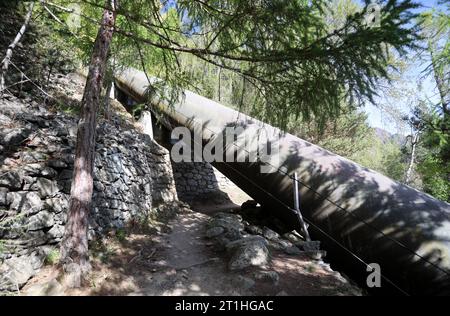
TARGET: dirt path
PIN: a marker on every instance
(177, 259)
(188, 266)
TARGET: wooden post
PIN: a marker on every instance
(297, 208)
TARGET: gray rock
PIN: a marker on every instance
(15, 272)
(52, 288)
(270, 276)
(292, 250)
(24, 202)
(246, 241)
(270, 234)
(41, 220)
(38, 169)
(315, 254)
(99, 186)
(11, 180)
(255, 230)
(14, 137)
(249, 254)
(33, 156)
(114, 204)
(227, 223)
(37, 258)
(45, 187)
(275, 245)
(3, 195)
(309, 245)
(48, 172)
(57, 164)
(66, 174)
(293, 238)
(214, 232)
(229, 216)
(57, 204)
(56, 232)
(284, 243)
(245, 283)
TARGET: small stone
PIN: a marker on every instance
(245, 283)
(214, 232)
(292, 237)
(47, 172)
(14, 137)
(3, 197)
(270, 234)
(56, 232)
(57, 204)
(270, 276)
(255, 230)
(99, 186)
(316, 254)
(227, 223)
(245, 241)
(57, 164)
(11, 180)
(38, 169)
(15, 273)
(275, 245)
(45, 187)
(26, 202)
(41, 220)
(309, 245)
(292, 250)
(229, 216)
(250, 254)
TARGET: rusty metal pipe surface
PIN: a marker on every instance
(360, 216)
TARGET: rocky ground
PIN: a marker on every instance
(203, 254)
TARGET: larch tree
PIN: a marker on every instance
(74, 246)
(295, 64)
(434, 166)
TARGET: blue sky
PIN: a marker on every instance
(378, 118)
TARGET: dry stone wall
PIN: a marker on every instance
(198, 180)
(133, 175)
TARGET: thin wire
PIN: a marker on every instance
(332, 202)
(318, 228)
(312, 224)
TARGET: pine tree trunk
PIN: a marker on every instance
(6, 61)
(74, 246)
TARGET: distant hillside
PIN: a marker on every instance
(385, 136)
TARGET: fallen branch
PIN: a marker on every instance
(7, 60)
(32, 82)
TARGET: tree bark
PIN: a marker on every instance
(414, 142)
(441, 85)
(74, 246)
(9, 52)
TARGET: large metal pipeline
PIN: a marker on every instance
(360, 216)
